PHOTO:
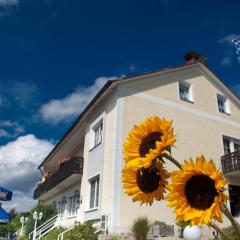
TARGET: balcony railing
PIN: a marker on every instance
(231, 162)
(73, 166)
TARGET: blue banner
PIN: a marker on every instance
(4, 216)
(5, 195)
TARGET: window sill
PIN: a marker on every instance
(92, 210)
(91, 149)
(187, 100)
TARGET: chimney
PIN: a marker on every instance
(193, 57)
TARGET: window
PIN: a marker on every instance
(230, 144)
(94, 192)
(222, 104)
(61, 206)
(236, 147)
(234, 195)
(226, 145)
(73, 203)
(185, 91)
(97, 130)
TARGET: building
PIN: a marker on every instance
(83, 172)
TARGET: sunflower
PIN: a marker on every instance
(145, 184)
(196, 192)
(147, 141)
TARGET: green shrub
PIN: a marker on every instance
(140, 228)
(159, 223)
(181, 225)
(113, 237)
(83, 231)
(23, 238)
(53, 235)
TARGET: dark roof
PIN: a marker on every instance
(107, 86)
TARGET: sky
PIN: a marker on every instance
(55, 55)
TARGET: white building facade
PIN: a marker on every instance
(84, 169)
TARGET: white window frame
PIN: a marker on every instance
(99, 121)
(73, 202)
(186, 85)
(96, 193)
(61, 206)
(225, 102)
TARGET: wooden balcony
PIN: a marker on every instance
(231, 164)
(70, 168)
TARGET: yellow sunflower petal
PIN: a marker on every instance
(137, 189)
(196, 192)
(147, 141)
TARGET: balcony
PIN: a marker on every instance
(71, 170)
(231, 164)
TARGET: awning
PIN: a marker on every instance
(5, 195)
(4, 216)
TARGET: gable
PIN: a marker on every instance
(205, 87)
(163, 84)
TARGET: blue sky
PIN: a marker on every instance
(56, 54)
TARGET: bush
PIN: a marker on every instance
(159, 223)
(140, 228)
(113, 237)
(52, 235)
(23, 238)
(181, 225)
(83, 231)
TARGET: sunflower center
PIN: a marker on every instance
(148, 180)
(149, 142)
(200, 191)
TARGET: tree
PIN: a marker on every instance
(48, 212)
(12, 226)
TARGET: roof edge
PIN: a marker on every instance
(109, 83)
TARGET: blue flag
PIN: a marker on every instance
(4, 216)
(5, 195)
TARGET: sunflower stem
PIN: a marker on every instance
(234, 223)
(221, 232)
(174, 161)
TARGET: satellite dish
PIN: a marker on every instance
(192, 233)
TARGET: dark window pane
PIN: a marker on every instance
(226, 145)
(234, 194)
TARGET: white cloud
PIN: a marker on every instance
(228, 38)
(10, 128)
(230, 52)
(3, 133)
(60, 110)
(227, 61)
(8, 2)
(22, 202)
(21, 93)
(18, 166)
